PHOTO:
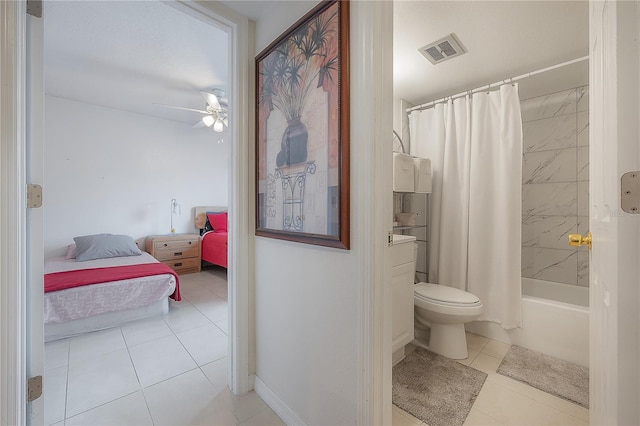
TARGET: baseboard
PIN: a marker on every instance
(252, 382)
(275, 403)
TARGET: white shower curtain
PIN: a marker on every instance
(475, 147)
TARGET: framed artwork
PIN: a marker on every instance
(302, 130)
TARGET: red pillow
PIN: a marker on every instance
(218, 221)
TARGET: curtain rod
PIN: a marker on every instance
(499, 83)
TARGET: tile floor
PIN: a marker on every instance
(504, 401)
(159, 371)
(173, 371)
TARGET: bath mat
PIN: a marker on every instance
(437, 390)
(552, 375)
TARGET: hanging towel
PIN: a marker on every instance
(403, 172)
(422, 175)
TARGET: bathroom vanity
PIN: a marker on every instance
(403, 260)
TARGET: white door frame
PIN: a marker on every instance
(34, 172)
(372, 120)
(13, 258)
(240, 276)
(614, 76)
(13, 255)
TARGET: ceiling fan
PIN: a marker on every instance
(215, 110)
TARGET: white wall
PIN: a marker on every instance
(109, 170)
(308, 298)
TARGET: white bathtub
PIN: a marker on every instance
(555, 321)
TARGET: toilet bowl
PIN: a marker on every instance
(440, 313)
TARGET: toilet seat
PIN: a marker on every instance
(444, 295)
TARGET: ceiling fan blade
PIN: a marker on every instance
(198, 125)
(183, 108)
(211, 99)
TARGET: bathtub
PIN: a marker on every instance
(555, 321)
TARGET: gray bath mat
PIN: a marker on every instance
(437, 390)
(552, 375)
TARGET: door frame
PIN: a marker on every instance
(13, 255)
(13, 239)
(241, 250)
(372, 63)
(614, 337)
(34, 173)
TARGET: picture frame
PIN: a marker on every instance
(302, 131)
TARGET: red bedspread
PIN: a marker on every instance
(69, 279)
(214, 248)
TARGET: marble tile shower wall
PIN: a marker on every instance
(555, 185)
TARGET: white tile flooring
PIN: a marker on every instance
(173, 371)
(504, 401)
(159, 371)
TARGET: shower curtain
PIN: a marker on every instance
(475, 147)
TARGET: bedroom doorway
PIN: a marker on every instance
(237, 27)
(240, 217)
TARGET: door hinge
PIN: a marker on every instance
(630, 192)
(390, 238)
(34, 8)
(34, 388)
(34, 196)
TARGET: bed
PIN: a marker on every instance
(212, 223)
(95, 294)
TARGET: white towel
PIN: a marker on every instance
(403, 173)
(422, 175)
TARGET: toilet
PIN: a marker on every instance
(440, 313)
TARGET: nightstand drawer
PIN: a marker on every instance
(170, 253)
(184, 266)
(177, 244)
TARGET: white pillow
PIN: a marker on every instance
(71, 251)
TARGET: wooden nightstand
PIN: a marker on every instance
(181, 251)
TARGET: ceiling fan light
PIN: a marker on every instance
(218, 126)
(208, 120)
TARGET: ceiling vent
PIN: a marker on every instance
(443, 49)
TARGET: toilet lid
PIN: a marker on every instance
(443, 293)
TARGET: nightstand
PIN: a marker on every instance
(181, 251)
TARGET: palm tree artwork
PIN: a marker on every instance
(300, 63)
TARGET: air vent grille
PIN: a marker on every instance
(435, 53)
(447, 48)
(443, 49)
